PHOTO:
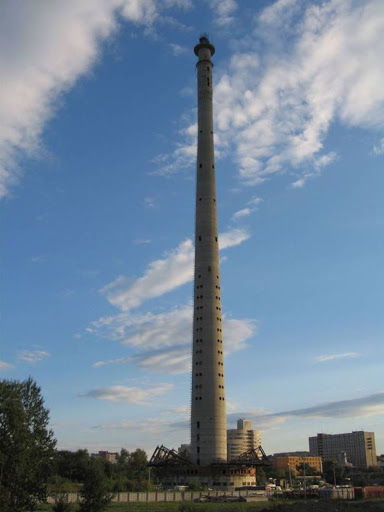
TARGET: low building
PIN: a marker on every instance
(242, 439)
(291, 463)
(359, 447)
(105, 455)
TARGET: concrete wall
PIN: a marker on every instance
(161, 496)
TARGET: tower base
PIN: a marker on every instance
(218, 478)
(174, 469)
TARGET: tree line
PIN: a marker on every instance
(128, 473)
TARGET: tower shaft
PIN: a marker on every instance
(208, 408)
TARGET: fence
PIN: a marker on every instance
(162, 496)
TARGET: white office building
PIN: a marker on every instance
(242, 438)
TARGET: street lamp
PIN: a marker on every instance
(290, 475)
(305, 481)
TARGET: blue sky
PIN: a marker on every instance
(97, 149)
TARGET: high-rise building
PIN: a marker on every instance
(208, 409)
(359, 447)
(242, 438)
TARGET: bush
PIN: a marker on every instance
(61, 503)
(95, 493)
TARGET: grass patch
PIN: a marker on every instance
(272, 506)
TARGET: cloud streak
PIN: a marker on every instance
(163, 275)
(132, 395)
(163, 341)
(332, 357)
(366, 406)
(5, 366)
(32, 356)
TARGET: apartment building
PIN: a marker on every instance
(291, 463)
(359, 447)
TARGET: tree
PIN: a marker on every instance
(95, 493)
(72, 465)
(332, 472)
(26, 445)
(261, 477)
(306, 469)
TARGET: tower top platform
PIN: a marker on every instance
(204, 43)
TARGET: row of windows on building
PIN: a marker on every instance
(200, 239)
(201, 351)
(201, 362)
(198, 318)
(199, 277)
(214, 199)
(199, 374)
(200, 398)
(200, 340)
(199, 386)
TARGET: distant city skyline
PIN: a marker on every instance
(97, 163)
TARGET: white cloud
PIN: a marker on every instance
(170, 361)
(177, 49)
(378, 149)
(305, 67)
(244, 212)
(38, 259)
(223, 11)
(5, 366)
(163, 341)
(118, 360)
(237, 332)
(331, 71)
(149, 202)
(277, 12)
(32, 356)
(255, 201)
(45, 48)
(150, 425)
(163, 275)
(147, 331)
(233, 237)
(142, 241)
(332, 357)
(133, 395)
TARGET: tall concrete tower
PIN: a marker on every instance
(207, 461)
(208, 408)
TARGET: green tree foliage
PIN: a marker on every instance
(261, 477)
(61, 503)
(72, 465)
(26, 445)
(95, 492)
(129, 473)
(332, 471)
(307, 469)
